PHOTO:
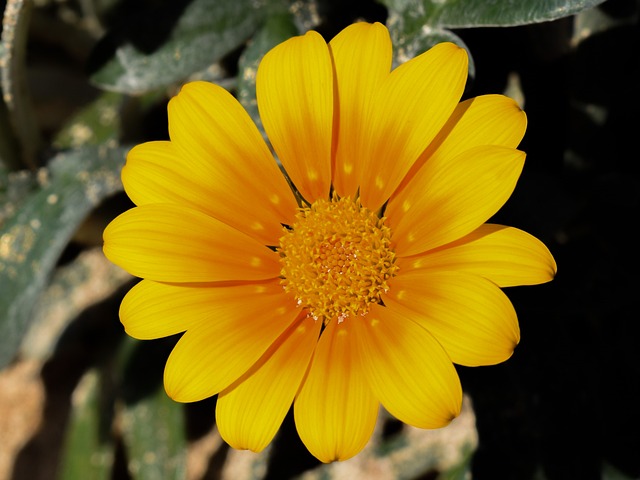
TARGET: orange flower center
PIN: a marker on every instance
(336, 259)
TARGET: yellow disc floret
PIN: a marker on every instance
(337, 258)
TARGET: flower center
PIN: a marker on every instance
(337, 259)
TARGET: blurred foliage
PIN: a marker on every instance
(34, 237)
(170, 41)
(84, 80)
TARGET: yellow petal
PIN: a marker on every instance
(362, 60)
(450, 198)
(250, 411)
(407, 369)
(471, 317)
(169, 243)
(155, 310)
(294, 87)
(336, 411)
(217, 162)
(411, 107)
(483, 120)
(505, 255)
(242, 323)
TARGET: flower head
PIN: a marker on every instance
(357, 280)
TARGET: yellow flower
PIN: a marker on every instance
(361, 285)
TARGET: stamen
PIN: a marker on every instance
(337, 259)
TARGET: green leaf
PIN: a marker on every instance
(462, 469)
(154, 434)
(152, 425)
(9, 148)
(276, 29)
(95, 124)
(409, 43)
(611, 473)
(155, 50)
(32, 240)
(74, 288)
(482, 13)
(88, 450)
(14, 188)
(16, 114)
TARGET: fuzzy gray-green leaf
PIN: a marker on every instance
(153, 425)
(483, 13)
(32, 240)
(204, 32)
(88, 449)
(16, 115)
